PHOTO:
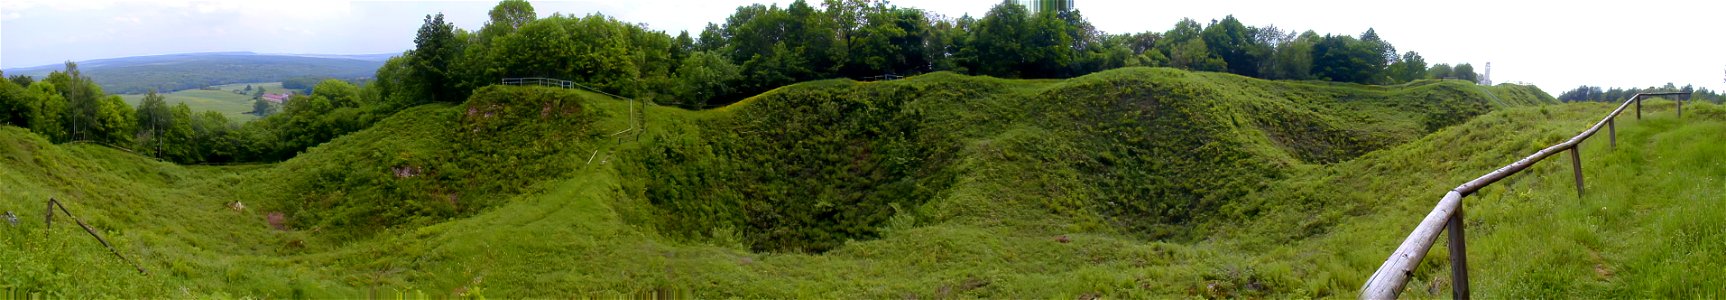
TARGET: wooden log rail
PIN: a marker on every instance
(1388, 281)
(49, 224)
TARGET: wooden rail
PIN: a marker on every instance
(48, 220)
(1388, 281)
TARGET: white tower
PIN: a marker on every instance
(1487, 79)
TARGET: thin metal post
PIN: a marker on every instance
(1612, 131)
(1458, 257)
(1680, 107)
(1576, 164)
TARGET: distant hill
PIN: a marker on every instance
(173, 72)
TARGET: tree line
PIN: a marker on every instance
(1587, 93)
(761, 47)
(757, 48)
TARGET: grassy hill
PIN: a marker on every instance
(1128, 183)
(233, 105)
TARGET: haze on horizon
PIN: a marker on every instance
(1557, 46)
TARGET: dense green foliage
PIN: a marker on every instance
(304, 84)
(762, 47)
(802, 169)
(68, 106)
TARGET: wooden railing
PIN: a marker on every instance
(1388, 281)
(48, 223)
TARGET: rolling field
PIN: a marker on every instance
(224, 100)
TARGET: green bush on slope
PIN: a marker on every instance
(431, 163)
(802, 169)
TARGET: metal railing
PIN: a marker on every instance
(566, 84)
(887, 77)
(1388, 281)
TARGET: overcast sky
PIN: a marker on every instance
(1557, 45)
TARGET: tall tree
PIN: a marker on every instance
(1408, 68)
(23, 81)
(814, 37)
(997, 41)
(83, 99)
(892, 42)
(1292, 58)
(704, 77)
(681, 47)
(435, 48)
(1052, 47)
(506, 17)
(153, 118)
(262, 108)
(474, 65)
(15, 104)
(1343, 58)
(1236, 45)
(1186, 49)
(1385, 50)
(1440, 71)
(848, 16)
(116, 122)
(1465, 71)
(712, 38)
(49, 118)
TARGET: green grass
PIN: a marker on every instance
(224, 100)
(1335, 176)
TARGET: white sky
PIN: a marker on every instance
(1557, 45)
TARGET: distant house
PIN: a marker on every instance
(277, 98)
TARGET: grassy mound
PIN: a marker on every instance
(1129, 183)
(807, 167)
(432, 163)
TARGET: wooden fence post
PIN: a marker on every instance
(1638, 107)
(48, 218)
(1576, 164)
(1612, 131)
(1458, 257)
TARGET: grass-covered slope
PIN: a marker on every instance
(1135, 182)
(806, 167)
